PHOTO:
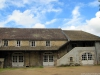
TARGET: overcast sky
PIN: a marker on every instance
(65, 14)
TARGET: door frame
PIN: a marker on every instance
(49, 60)
(87, 58)
(17, 60)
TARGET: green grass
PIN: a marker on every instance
(5, 69)
(1, 70)
(97, 65)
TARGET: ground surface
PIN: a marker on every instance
(79, 70)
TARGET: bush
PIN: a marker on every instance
(71, 64)
(77, 64)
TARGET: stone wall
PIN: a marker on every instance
(1, 62)
(97, 47)
(35, 59)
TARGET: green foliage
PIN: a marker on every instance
(4, 69)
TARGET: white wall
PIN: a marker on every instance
(76, 54)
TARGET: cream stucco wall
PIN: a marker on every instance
(38, 43)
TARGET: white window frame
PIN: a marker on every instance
(32, 43)
(5, 43)
(18, 43)
(87, 56)
(48, 43)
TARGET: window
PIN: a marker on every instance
(50, 58)
(20, 58)
(14, 58)
(5, 42)
(71, 59)
(47, 43)
(32, 43)
(45, 58)
(18, 43)
(87, 56)
(84, 56)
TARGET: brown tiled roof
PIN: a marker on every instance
(75, 35)
(31, 33)
(25, 48)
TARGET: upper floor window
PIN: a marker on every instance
(47, 43)
(32, 43)
(5, 42)
(18, 43)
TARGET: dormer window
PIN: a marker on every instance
(18, 43)
(32, 43)
(47, 43)
(5, 42)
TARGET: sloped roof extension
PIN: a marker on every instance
(78, 35)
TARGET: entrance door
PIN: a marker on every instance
(17, 60)
(87, 59)
(48, 59)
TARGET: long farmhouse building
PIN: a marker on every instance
(28, 47)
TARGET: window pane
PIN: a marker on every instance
(5, 43)
(20, 58)
(84, 56)
(18, 43)
(71, 59)
(50, 58)
(14, 58)
(47, 43)
(32, 43)
(45, 58)
(89, 56)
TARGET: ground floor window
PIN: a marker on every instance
(71, 59)
(14, 58)
(87, 56)
(20, 58)
(45, 58)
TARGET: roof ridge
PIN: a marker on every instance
(28, 28)
(72, 30)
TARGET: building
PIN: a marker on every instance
(28, 47)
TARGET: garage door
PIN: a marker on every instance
(87, 59)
